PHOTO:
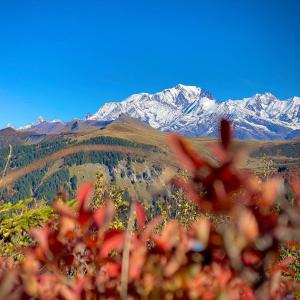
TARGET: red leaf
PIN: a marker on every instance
(169, 237)
(91, 242)
(113, 240)
(140, 214)
(104, 214)
(185, 154)
(113, 269)
(69, 258)
(41, 236)
(283, 266)
(266, 222)
(81, 285)
(247, 293)
(55, 246)
(84, 214)
(161, 244)
(99, 216)
(250, 258)
(83, 195)
(286, 262)
(137, 261)
(84, 217)
(108, 271)
(295, 184)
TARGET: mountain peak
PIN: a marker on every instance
(39, 120)
(192, 89)
(265, 96)
(261, 101)
(8, 131)
(183, 87)
(9, 125)
(296, 100)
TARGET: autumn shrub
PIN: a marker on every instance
(80, 256)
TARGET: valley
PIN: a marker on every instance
(130, 154)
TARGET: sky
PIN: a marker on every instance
(62, 59)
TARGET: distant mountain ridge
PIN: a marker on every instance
(42, 126)
(10, 136)
(192, 111)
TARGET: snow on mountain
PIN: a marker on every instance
(9, 125)
(192, 111)
(158, 110)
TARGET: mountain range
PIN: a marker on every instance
(192, 111)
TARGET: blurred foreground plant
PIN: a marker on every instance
(81, 257)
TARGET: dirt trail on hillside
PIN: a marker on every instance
(20, 172)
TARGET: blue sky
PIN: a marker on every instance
(62, 59)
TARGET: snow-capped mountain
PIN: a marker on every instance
(193, 111)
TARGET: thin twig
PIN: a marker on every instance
(126, 251)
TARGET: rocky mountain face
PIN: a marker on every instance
(192, 111)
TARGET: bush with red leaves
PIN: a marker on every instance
(79, 256)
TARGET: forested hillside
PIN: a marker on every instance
(48, 178)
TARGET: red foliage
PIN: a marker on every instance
(80, 256)
(140, 214)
